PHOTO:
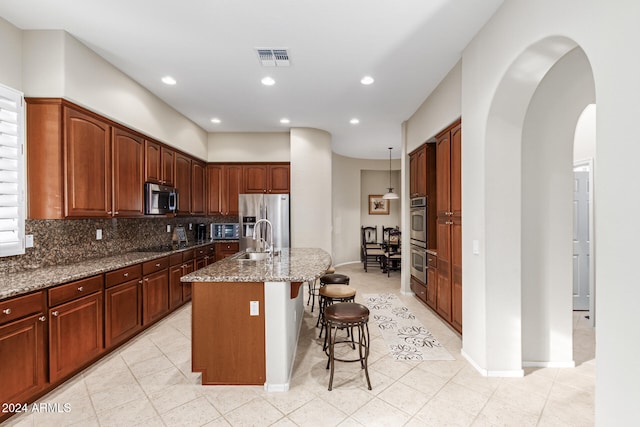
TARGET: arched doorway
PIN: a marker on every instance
(530, 133)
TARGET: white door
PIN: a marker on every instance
(581, 255)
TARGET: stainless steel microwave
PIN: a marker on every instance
(225, 231)
(159, 199)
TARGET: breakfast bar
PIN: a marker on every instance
(246, 316)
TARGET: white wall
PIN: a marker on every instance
(11, 53)
(249, 147)
(439, 110)
(347, 196)
(584, 145)
(608, 33)
(58, 65)
(311, 185)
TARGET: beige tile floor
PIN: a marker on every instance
(149, 382)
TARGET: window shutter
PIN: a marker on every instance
(12, 166)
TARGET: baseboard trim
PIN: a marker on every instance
(538, 364)
(516, 373)
(347, 263)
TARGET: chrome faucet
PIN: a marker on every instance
(268, 243)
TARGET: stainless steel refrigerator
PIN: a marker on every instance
(275, 208)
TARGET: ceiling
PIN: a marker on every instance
(208, 46)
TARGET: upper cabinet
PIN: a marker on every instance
(422, 171)
(128, 176)
(224, 184)
(87, 145)
(183, 183)
(198, 188)
(159, 163)
(266, 178)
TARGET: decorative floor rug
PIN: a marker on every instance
(404, 334)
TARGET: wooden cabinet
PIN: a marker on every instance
(128, 174)
(22, 348)
(422, 183)
(159, 162)
(155, 290)
(75, 326)
(198, 188)
(418, 288)
(80, 165)
(183, 183)
(266, 178)
(181, 264)
(226, 249)
(449, 225)
(224, 185)
(123, 304)
(432, 280)
(87, 145)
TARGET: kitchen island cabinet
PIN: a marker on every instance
(246, 317)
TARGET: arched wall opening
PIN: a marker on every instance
(528, 166)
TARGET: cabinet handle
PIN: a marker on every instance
(116, 213)
(109, 212)
(146, 280)
(7, 311)
(80, 288)
(55, 313)
(140, 282)
(448, 222)
(158, 265)
(42, 318)
(126, 274)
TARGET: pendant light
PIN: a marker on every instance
(390, 195)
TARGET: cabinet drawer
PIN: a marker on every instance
(201, 252)
(419, 289)
(432, 261)
(175, 259)
(74, 290)
(228, 246)
(22, 306)
(188, 255)
(155, 265)
(122, 275)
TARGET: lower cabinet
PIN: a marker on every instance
(22, 348)
(181, 264)
(226, 249)
(75, 334)
(419, 288)
(155, 296)
(432, 277)
(122, 305)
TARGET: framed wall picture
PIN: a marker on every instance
(378, 205)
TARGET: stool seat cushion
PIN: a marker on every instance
(334, 279)
(346, 312)
(337, 291)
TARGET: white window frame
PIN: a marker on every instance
(12, 172)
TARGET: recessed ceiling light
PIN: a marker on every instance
(268, 81)
(367, 80)
(168, 80)
(354, 121)
(285, 121)
(215, 120)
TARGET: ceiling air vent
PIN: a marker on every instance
(273, 57)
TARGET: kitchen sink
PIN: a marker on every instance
(253, 256)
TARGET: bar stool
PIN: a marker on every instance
(350, 316)
(330, 278)
(313, 289)
(330, 294)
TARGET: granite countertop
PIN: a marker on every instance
(41, 278)
(292, 265)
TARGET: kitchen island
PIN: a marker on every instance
(246, 317)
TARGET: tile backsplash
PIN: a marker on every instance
(67, 241)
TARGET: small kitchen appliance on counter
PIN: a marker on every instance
(225, 231)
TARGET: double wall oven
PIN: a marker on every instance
(418, 234)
